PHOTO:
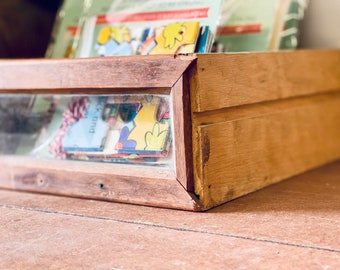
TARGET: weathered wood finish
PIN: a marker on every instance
(111, 182)
(256, 119)
(103, 75)
(263, 145)
(165, 187)
(229, 80)
(180, 96)
(259, 118)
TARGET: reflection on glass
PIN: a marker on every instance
(133, 129)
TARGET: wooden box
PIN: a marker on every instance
(240, 122)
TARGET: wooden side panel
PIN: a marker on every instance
(241, 155)
(180, 96)
(226, 80)
(84, 75)
(138, 185)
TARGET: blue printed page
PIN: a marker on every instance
(88, 133)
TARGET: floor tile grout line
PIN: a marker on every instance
(249, 238)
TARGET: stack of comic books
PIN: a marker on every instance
(111, 128)
(116, 27)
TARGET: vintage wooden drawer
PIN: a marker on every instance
(238, 122)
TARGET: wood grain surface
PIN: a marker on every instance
(242, 152)
(100, 75)
(180, 96)
(227, 80)
(111, 182)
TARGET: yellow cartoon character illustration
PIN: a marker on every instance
(173, 33)
(155, 139)
(147, 134)
(175, 37)
(114, 41)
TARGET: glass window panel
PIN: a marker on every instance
(130, 129)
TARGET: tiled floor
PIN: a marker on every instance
(291, 225)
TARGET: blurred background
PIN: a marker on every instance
(320, 27)
(26, 26)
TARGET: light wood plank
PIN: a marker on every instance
(240, 155)
(227, 80)
(112, 182)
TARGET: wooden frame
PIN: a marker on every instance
(124, 183)
(241, 122)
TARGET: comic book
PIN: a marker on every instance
(246, 25)
(88, 131)
(154, 27)
(115, 27)
(290, 24)
(147, 135)
(114, 128)
(205, 40)
(134, 38)
(250, 25)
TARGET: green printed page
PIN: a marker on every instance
(247, 25)
(212, 7)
